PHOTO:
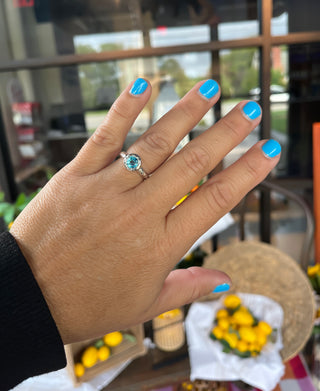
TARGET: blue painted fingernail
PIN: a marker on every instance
(221, 288)
(139, 87)
(209, 88)
(271, 148)
(252, 110)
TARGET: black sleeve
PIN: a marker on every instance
(30, 343)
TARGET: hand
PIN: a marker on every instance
(102, 242)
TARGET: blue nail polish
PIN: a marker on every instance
(139, 87)
(221, 288)
(209, 88)
(271, 148)
(252, 110)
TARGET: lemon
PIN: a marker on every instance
(232, 301)
(247, 334)
(261, 336)
(103, 353)
(243, 318)
(113, 339)
(242, 346)
(313, 270)
(232, 339)
(90, 357)
(224, 324)
(222, 313)
(79, 369)
(217, 332)
(265, 327)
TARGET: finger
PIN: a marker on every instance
(160, 141)
(106, 142)
(220, 194)
(187, 285)
(184, 170)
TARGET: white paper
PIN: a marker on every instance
(218, 227)
(209, 362)
(60, 380)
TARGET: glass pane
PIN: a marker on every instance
(295, 16)
(49, 113)
(239, 80)
(295, 102)
(47, 28)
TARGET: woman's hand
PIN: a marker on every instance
(102, 242)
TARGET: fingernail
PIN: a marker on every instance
(271, 148)
(221, 288)
(209, 88)
(252, 110)
(139, 87)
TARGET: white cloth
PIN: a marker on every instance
(209, 362)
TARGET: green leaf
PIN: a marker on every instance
(21, 199)
(245, 354)
(8, 215)
(2, 195)
(3, 207)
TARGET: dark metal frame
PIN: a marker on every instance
(264, 42)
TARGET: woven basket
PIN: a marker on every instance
(260, 268)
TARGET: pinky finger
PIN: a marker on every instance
(221, 193)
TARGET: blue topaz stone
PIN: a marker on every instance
(132, 162)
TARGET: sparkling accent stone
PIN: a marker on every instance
(132, 162)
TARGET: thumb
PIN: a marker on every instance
(183, 286)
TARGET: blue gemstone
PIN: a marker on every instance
(132, 162)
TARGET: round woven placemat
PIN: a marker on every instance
(260, 268)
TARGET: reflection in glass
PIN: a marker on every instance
(239, 80)
(58, 27)
(295, 16)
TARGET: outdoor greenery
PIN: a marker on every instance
(239, 70)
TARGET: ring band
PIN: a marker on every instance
(132, 162)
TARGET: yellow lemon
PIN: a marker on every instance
(113, 339)
(103, 353)
(242, 346)
(232, 301)
(217, 332)
(90, 357)
(261, 336)
(247, 334)
(313, 270)
(79, 369)
(224, 324)
(243, 318)
(223, 313)
(232, 339)
(265, 327)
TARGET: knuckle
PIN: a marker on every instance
(220, 195)
(157, 143)
(196, 159)
(232, 127)
(188, 109)
(251, 168)
(103, 136)
(122, 110)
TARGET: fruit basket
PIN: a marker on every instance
(89, 358)
(260, 268)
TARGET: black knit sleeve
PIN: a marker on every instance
(30, 343)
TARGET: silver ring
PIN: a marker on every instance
(132, 162)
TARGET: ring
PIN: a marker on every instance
(132, 162)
